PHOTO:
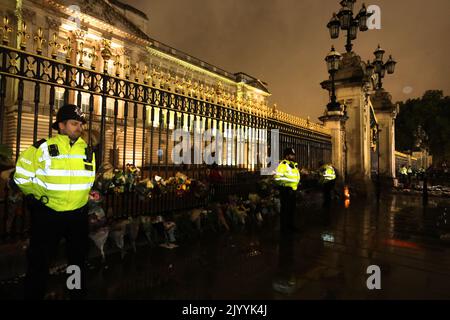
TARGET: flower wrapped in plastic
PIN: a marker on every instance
(183, 184)
(159, 185)
(104, 178)
(166, 230)
(198, 188)
(133, 231)
(98, 228)
(145, 188)
(99, 236)
(132, 174)
(95, 198)
(118, 230)
(97, 218)
(169, 230)
(119, 181)
(147, 227)
(241, 211)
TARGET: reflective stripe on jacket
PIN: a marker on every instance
(327, 173)
(65, 178)
(287, 174)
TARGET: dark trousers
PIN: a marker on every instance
(327, 189)
(288, 206)
(48, 227)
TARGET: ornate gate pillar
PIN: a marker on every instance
(386, 112)
(335, 122)
(352, 87)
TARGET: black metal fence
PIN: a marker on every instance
(134, 116)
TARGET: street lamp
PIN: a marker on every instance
(346, 21)
(333, 60)
(380, 68)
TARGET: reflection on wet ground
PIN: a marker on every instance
(327, 259)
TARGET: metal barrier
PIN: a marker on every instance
(134, 115)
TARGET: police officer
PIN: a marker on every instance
(56, 176)
(287, 178)
(327, 180)
(403, 174)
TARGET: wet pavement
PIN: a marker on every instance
(327, 259)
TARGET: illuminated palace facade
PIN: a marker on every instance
(98, 54)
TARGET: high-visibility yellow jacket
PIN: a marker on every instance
(58, 171)
(403, 171)
(327, 173)
(287, 174)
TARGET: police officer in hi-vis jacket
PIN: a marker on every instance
(56, 176)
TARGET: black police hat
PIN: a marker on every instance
(69, 112)
(288, 151)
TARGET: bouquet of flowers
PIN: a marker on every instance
(183, 184)
(133, 231)
(99, 237)
(132, 174)
(145, 188)
(159, 185)
(198, 188)
(147, 227)
(104, 178)
(99, 230)
(166, 230)
(119, 181)
(118, 230)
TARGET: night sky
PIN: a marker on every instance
(284, 42)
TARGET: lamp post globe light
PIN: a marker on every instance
(333, 60)
(380, 68)
(346, 21)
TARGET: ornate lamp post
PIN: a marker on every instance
(346, 21)
(380, 68)
(333, 60)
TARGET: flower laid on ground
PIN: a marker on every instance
(147, 227)
(118, 230)
(99, 237)
(133, 230)
(98, 224)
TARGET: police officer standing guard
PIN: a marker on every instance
(327, 181)
(287, 178)
(56, 176)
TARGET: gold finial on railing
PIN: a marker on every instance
(117, 65)
(81, 52)
(145, 74)
(106, 54)
(54, 45)
(94, 55)
(24, 36)
(68, 48)
(136, 70)
(219, 88)
(127, 68)
(39, 38)
(5, 30)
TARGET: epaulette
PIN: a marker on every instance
(37, 144)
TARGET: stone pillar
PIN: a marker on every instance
(335, 122)
(352, 86)
(386, 112)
